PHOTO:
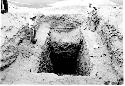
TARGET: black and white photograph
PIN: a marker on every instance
(61, 42)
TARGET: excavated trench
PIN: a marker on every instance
(63, 59)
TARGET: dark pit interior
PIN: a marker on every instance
(63, 59)
(64, 62)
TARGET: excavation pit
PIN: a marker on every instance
(63, 59)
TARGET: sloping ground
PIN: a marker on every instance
(104, 71)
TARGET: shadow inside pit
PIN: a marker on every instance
(62, 59)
